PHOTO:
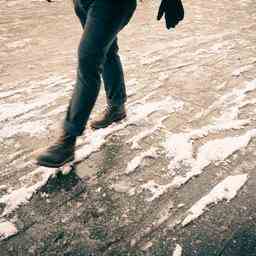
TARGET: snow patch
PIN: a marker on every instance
(233, 99)
(32, 128)
(122, 187)
(7, 229)
(227, 189)
(15, 117)
(179, 148)
(212, 151)
(140, 136)
(177, 251)
(94, 140)
(22, 195)
(155, 189)
(142, 111)
(137, 161)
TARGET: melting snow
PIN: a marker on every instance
(144, 110)
(212, 151)
(227, 189)
(233, 99)
(94, 140)
(180, 152)
(177, 251)
(179, 147)
(20, 196)
(92, 143)
(137, 161)
(137, 138)
(155, 189)
(7, 229)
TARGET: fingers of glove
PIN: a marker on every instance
(170, 24)
(174, 13)
(161, 10)
(171, 19)
(175, 9)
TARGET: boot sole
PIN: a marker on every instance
(50, 165)
(95, 127)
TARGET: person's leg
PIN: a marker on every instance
(81, 8)
(80, 11)
(113, 77)
(104, 20)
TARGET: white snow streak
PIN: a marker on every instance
(94, 140)
(233, 99)
(140, 136)
(212, 151)
(137, 161)
(155, 189)
(227, 189)
(179, 147)
(177, 251)
(7, 229)
(18, 116)
(20, 196)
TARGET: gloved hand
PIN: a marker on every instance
(173, 11)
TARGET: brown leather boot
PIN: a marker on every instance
(110, 115)
(61, 152)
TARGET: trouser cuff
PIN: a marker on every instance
(115, 103)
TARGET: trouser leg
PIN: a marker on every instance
(113, 77)
(81, 11)
(105, 18)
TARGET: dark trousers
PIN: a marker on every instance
(98, 55)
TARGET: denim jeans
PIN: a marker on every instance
(98, 55)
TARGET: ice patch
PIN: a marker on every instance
(177, 251)
(137, 161)
(7, 229)
(227, 189)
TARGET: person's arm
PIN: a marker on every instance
(172, 10)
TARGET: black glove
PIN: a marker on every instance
(173, 11)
